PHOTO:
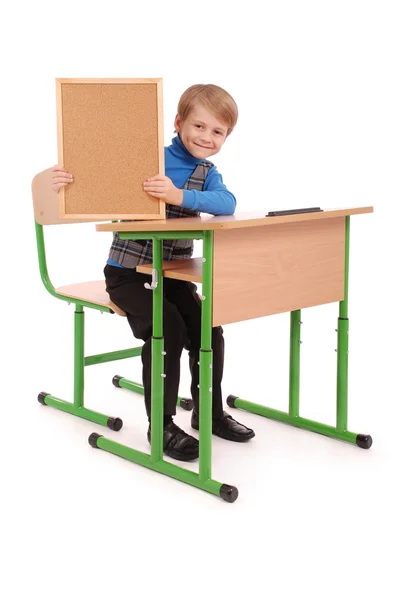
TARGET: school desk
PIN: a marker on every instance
(252, 266)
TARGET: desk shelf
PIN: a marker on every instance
(189, 269)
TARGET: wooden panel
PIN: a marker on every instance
(188, 269)
(237, 221)
(269, 270)
(110, 137)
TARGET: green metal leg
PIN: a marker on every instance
(206, 363)
(114, 423)
(155, 460)
(342, 345)
(295, 359)
(162, 466)
(342, 374)
(79, 356)
(157, 400)
(77, 407)
(340, 431)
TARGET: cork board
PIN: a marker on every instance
(110, 137)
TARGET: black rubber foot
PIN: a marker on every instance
(116, 380)
(230, 401)
(364, 441)
(187, 403)
(42, 396)
(229, 493)
(93, 438)
(114, 423)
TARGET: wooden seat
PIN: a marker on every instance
(90, 291)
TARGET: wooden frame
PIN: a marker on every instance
(95, 118)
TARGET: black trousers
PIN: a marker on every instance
(181, 329)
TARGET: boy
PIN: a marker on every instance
(207, 115)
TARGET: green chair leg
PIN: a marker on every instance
(77, 408)
(114, 423)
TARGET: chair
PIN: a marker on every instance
(90, 294)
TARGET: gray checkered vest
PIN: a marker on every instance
(130, 253)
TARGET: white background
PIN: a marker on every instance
(318, 89)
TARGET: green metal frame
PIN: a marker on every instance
(203, 479)
(154, 460)
(340, 431)
(77, 407)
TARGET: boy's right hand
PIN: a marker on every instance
(60, 178)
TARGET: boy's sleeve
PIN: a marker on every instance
(215, 198)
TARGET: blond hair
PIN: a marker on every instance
(214, 99)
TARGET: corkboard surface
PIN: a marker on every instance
(110, 138)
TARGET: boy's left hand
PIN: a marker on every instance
(163, 188)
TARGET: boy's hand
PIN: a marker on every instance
(163, 188)
(60, 178)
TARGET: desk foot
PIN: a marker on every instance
(93, 438)
(231, 401)
(116, 380)
(113, 423)
(229, 493)
(358, 439)
(42, 396)
(364, 441)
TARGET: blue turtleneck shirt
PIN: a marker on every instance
(215, 198)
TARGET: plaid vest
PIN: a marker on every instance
(130, 253)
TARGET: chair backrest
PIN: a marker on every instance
(46, 205)
(46, 209)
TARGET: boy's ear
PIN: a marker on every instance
(177, 123)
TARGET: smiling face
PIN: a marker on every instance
(202, 133)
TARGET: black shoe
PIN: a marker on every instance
(226, 427)
(177, 443)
